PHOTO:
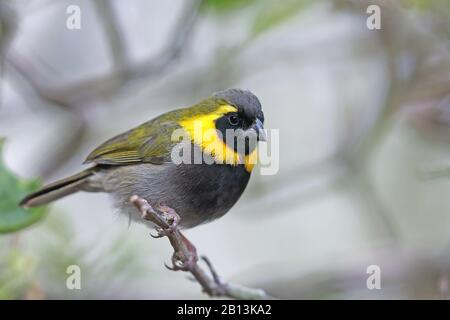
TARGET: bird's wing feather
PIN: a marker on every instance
(149, 143)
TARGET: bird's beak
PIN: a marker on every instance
(259, 128)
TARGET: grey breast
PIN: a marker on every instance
(198, 192)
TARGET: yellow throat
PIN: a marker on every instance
(204, 134)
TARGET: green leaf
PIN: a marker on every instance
(12, 190)
(273, 13)
(225, 6)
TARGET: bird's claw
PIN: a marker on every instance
(183, 263)
(160, 232)
(172, 219)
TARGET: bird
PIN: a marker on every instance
(141, 161)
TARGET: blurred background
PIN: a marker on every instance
(364, 120)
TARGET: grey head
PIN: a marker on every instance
(246, 102)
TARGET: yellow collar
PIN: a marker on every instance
(203, 133)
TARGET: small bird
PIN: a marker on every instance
(140, 161)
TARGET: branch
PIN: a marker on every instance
(122, 75)
(75, 97)
(180, 36)
(185, 258)
(114, 35)
(7, 30)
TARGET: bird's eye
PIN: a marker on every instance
(233, 120)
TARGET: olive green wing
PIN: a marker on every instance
(149, 143)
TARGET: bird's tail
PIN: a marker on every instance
(57, 189)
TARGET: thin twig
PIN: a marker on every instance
(114, 34)
(75, 97)
(123, 75)
(180, 36)
(7, 29)
(184, 259)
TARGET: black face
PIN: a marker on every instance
(243, 129)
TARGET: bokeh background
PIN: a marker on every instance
(364, 120)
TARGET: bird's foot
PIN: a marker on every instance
(185, 258)
(184, 261)
(172, 219)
